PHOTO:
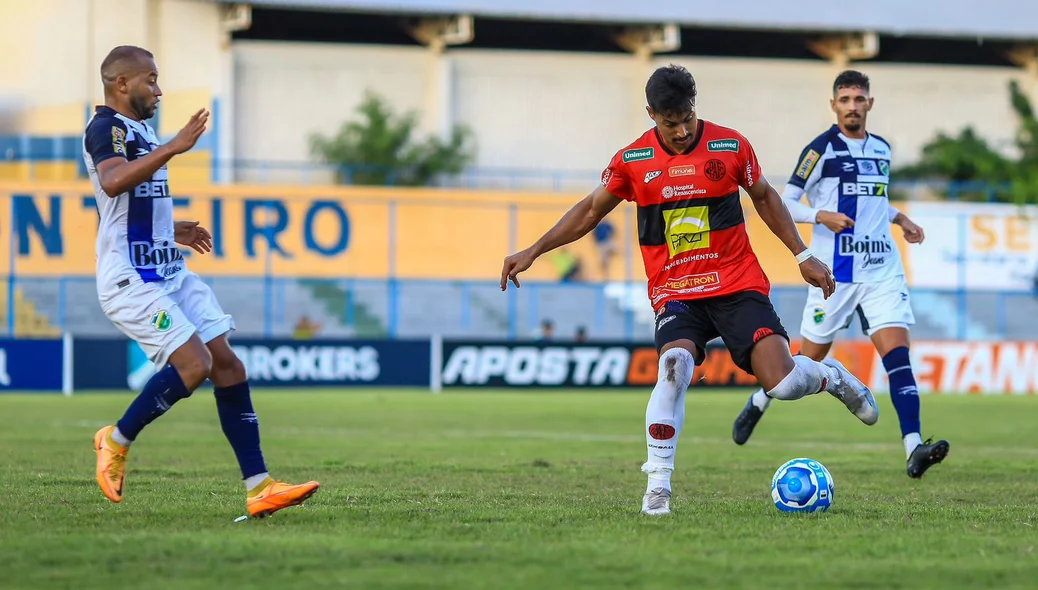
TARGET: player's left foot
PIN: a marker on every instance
(745, 422)
(926, 455)
(276, 495)
(111, 464)
(656, 502)
(852, 392)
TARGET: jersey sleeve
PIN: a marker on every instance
(749, 167)
(616, 179)
(105, 139)
(808, 170)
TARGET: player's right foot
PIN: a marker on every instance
(852, 392)
(925, 456)
(656, 502)
(277, 495)
(111, 464)
(745, 422)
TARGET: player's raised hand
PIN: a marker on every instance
(189, 233)
(186, 137)
(833, 220)
(913, 233)
(816, 273)
(515, 264)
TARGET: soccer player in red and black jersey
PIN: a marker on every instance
(704, 281)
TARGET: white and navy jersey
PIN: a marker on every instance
(850, 176)
(135, 231)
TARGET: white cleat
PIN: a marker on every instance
(853, 393)
(656, 502)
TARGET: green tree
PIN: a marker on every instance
(967, 158)
(381, 147)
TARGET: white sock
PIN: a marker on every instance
(120, 438)
(760, 399)
(665, 415)
(912, 440)
(808, 377)
(255, 480)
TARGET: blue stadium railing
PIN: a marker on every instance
(392, 308)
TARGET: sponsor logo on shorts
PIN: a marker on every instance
(665, 321)
(723, 145)
(818, 315)
(687, 170)
(650, 176)
(807, 165)
(639, 154)
(761, 334)
(161, 320)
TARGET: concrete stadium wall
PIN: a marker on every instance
(569, 111)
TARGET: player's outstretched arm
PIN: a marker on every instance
(771, 209)
(118, 175)
(575, 224)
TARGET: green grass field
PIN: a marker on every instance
(516, 490)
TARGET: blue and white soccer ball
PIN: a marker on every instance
(802, 485)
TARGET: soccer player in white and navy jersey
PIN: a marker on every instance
(845, 174)
(146, 290)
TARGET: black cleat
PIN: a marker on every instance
(926, 455)
(745, 423)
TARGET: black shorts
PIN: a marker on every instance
(741, 320)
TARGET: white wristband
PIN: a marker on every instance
(803, 256)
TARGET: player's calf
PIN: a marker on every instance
(188, 368)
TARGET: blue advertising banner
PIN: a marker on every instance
(100, 363)
(335, 363)
(32, 365)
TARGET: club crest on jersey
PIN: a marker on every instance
(723, 145)
(688, 228)
(638, 154)
(118, 140)
(884, 168)
(807, 164)
(161, 320)
(650, 176)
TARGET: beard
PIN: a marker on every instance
(853, 124)
(142, 107)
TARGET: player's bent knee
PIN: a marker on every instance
(771, 361)
(675, 362)
(193, 362)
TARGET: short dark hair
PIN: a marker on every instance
(671, 90)
(851, 79)
(119, 61)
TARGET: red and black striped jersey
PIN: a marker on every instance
(690, 219)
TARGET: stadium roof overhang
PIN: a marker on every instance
(969, 19)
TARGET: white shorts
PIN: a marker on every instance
(162, 316)
(882, 304)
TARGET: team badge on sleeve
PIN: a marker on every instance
(119, 140)
(807, 164)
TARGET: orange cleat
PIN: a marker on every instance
(277, 495)
(111, 464)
